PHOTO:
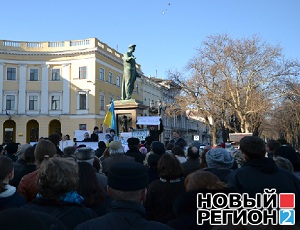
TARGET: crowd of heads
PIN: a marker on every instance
(126, 175)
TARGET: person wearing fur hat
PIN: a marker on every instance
(116, 152)
(9, 198)
(127, 183)
(133, 145)
(219, 162)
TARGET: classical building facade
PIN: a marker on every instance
(49, 87)
(56, 87)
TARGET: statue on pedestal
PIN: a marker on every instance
(129, 74)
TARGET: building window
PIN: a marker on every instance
(10, 102)
(55, 75)
(55, 102)
(102, 101)
(34, 75)
(101, 74)
(11, 73)
(33, 102)
(111, 97)
(110, 76)
(137, 88)
(118, 81)
(82, 72)
(82, 100)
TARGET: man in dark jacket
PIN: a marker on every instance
(11, 150)
(193, 162)
(24, 165)
(154, 132)
(133, 145)
(259, 172)
(177, 140)
(127, 182)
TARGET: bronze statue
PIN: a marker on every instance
(129, 74)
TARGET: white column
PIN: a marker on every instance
(1, 86)
(66, 88)
(44, 91)
(22, 89)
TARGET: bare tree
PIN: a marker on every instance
(235, 77)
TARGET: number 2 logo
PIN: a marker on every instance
(286, 217)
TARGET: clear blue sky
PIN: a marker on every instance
(166, 32)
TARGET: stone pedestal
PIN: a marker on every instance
(126, 112)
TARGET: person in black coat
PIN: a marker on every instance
(101, 148)
(133, 145)
(185, 206)
(259, 173)
(193, 161)
(20, 219)
(127, 182)
(94, 135)
(177, 140)
(11, 150)
(23, 166)
(162, 193)
(9, 198)
(154, 132)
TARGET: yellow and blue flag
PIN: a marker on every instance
(110, 118)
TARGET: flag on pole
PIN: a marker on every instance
(110, 118)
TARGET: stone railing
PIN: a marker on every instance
(68, 45)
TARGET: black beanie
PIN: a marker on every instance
(158, 147)
(127, 176)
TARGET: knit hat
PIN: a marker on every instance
(84, 154)
(158, 147)
(219, 158)
(127, 176)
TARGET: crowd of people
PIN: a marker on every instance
(150, 186)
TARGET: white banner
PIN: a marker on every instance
(140, 133)
(79, 134)
(66, 143)
(148, 120)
